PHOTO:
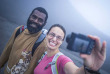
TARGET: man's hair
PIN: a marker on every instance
(60, 26)
(41, 10)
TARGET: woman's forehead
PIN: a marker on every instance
(57, 31)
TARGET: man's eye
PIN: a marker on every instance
(34, 17)
(40, 20)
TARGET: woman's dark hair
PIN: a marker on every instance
(41, 10)
(60, 26)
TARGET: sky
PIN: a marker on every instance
(96, 12)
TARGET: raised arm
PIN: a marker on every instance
(93, 62)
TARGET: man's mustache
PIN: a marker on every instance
(34, 24)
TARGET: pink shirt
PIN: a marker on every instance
(61, 61)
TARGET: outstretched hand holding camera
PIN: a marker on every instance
(96, 59)
(90, 49)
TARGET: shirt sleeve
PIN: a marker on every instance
(6, 52)
(61, 61)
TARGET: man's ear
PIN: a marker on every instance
(45, 23)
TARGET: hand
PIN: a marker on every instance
(96, 59)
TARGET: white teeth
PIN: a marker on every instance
(52, 44)
(33, 25)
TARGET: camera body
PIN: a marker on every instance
(80, 43)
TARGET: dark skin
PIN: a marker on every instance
(36, 22)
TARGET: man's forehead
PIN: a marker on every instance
(39, 14)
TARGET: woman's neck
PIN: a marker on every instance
(51, 52)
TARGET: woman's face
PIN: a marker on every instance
(54, 38)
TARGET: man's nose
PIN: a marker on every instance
(36, 20)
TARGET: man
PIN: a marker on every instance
(18, 51)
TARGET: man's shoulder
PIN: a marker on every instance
(18, 27)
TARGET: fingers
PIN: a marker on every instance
(84, 56)
(98, 46)
(103, 49)
(97, 42)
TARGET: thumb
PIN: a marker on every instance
(103, 49)
(84, 56)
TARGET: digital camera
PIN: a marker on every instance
(80, 43)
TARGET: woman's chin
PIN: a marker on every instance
(51, 47)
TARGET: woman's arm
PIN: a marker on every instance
(94, 61)
(71, 68)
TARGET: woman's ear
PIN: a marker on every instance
(46, 36)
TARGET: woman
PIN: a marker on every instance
(54, 38)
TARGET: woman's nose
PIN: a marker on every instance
(55, 38)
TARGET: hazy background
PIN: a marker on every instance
(80, 16)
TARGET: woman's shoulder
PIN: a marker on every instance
(63, 59)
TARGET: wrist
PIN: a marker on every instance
(91, 71)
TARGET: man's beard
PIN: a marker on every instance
(33, 30)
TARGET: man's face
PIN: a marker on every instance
(36, 21)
